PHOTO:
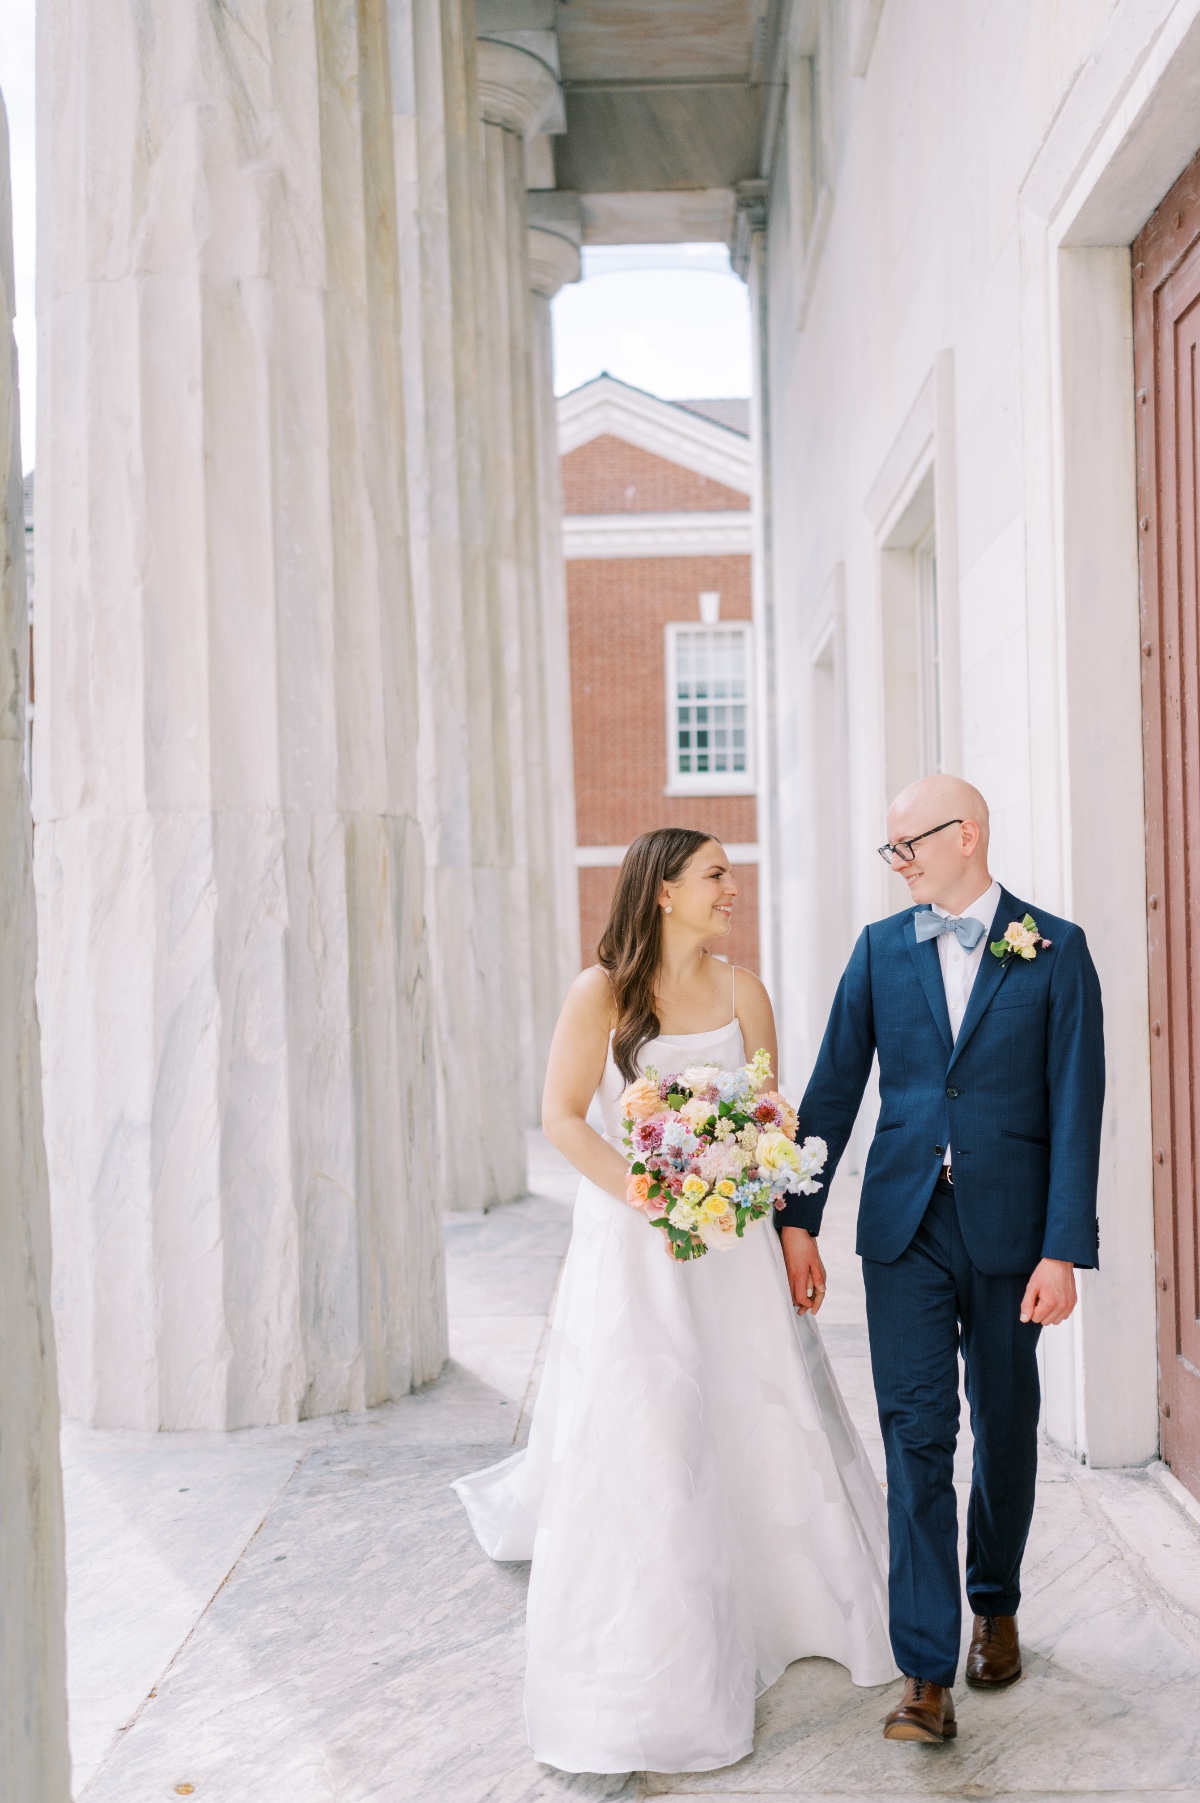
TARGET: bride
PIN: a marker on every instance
(696, 1502)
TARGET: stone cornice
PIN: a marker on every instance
(516, 88)
(605, 535)
(607, 407)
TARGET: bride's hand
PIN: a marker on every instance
(806, 1273)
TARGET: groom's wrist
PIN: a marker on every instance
(799, 1211)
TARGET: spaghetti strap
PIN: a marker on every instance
(733, 992)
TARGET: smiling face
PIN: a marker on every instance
(950, 866)
(701, 900)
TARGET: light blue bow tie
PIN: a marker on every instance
(968, 932)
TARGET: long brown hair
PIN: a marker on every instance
(631, 945)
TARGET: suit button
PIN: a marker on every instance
(952, 1093)
(940, 1151)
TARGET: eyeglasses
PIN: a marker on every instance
(903, 848)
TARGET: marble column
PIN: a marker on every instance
(518, 92)
(33, 1703)
(465, 797)
(235, 976)
(555, 237)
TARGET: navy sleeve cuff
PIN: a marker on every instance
(800, 1211)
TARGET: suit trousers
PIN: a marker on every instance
(920, 1310)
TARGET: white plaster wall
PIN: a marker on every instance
(944, 269)
(235, 981)
(33, 1704)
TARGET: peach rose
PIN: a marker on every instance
(1021, 939)
(637, 1190)
(788, 1118)
(696, 1112)
(640, 1100)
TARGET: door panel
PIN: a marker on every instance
(1166, 271)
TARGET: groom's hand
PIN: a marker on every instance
(1050, 1293)
(806, 1273)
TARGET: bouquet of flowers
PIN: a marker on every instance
(710, 1150)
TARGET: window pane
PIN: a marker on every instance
(710, 688)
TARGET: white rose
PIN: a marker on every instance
(699, 1076)
(720, 1234)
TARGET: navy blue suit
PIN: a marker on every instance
(1019, 1098)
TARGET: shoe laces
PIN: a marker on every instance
(919, 1687)
(991, 1627)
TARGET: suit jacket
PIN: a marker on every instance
(1019, 1096)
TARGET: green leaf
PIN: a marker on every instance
(675, 1100)
(999, 948)
(639, 1169)
(1029, 921)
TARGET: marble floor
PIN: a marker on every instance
(300, 1615)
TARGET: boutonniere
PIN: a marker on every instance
(1021, 940)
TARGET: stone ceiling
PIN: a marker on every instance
(661, 95)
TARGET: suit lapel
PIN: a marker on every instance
(929, 968)
(992, 971)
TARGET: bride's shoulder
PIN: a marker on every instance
(591, 994)
(749, 985)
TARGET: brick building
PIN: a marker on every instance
(657, 537)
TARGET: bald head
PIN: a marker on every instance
(950, 865)
(940, 796)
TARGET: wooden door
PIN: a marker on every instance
(1166, 290)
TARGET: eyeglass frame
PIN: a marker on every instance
(889, 852)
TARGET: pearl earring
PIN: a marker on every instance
(667, 909)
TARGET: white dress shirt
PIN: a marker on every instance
(959, 966)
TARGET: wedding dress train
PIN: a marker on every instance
(694, 1497)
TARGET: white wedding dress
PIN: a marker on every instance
(696, 1502)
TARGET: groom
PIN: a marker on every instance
(978, 1199)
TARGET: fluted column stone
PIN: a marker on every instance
(555, 237)
(235, 980)
(34, 1764)
(518, 92)
(465, 797)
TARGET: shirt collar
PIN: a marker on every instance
(983, 910)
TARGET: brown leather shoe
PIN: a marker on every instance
(995, 1656)
(925, 1712)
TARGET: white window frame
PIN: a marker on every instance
(929, 654)
(734, 782)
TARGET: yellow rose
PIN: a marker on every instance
(776, 1152)
(694, 1188)
(726, 1189)
(713, 1206)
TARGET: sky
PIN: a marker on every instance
(669, 318)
